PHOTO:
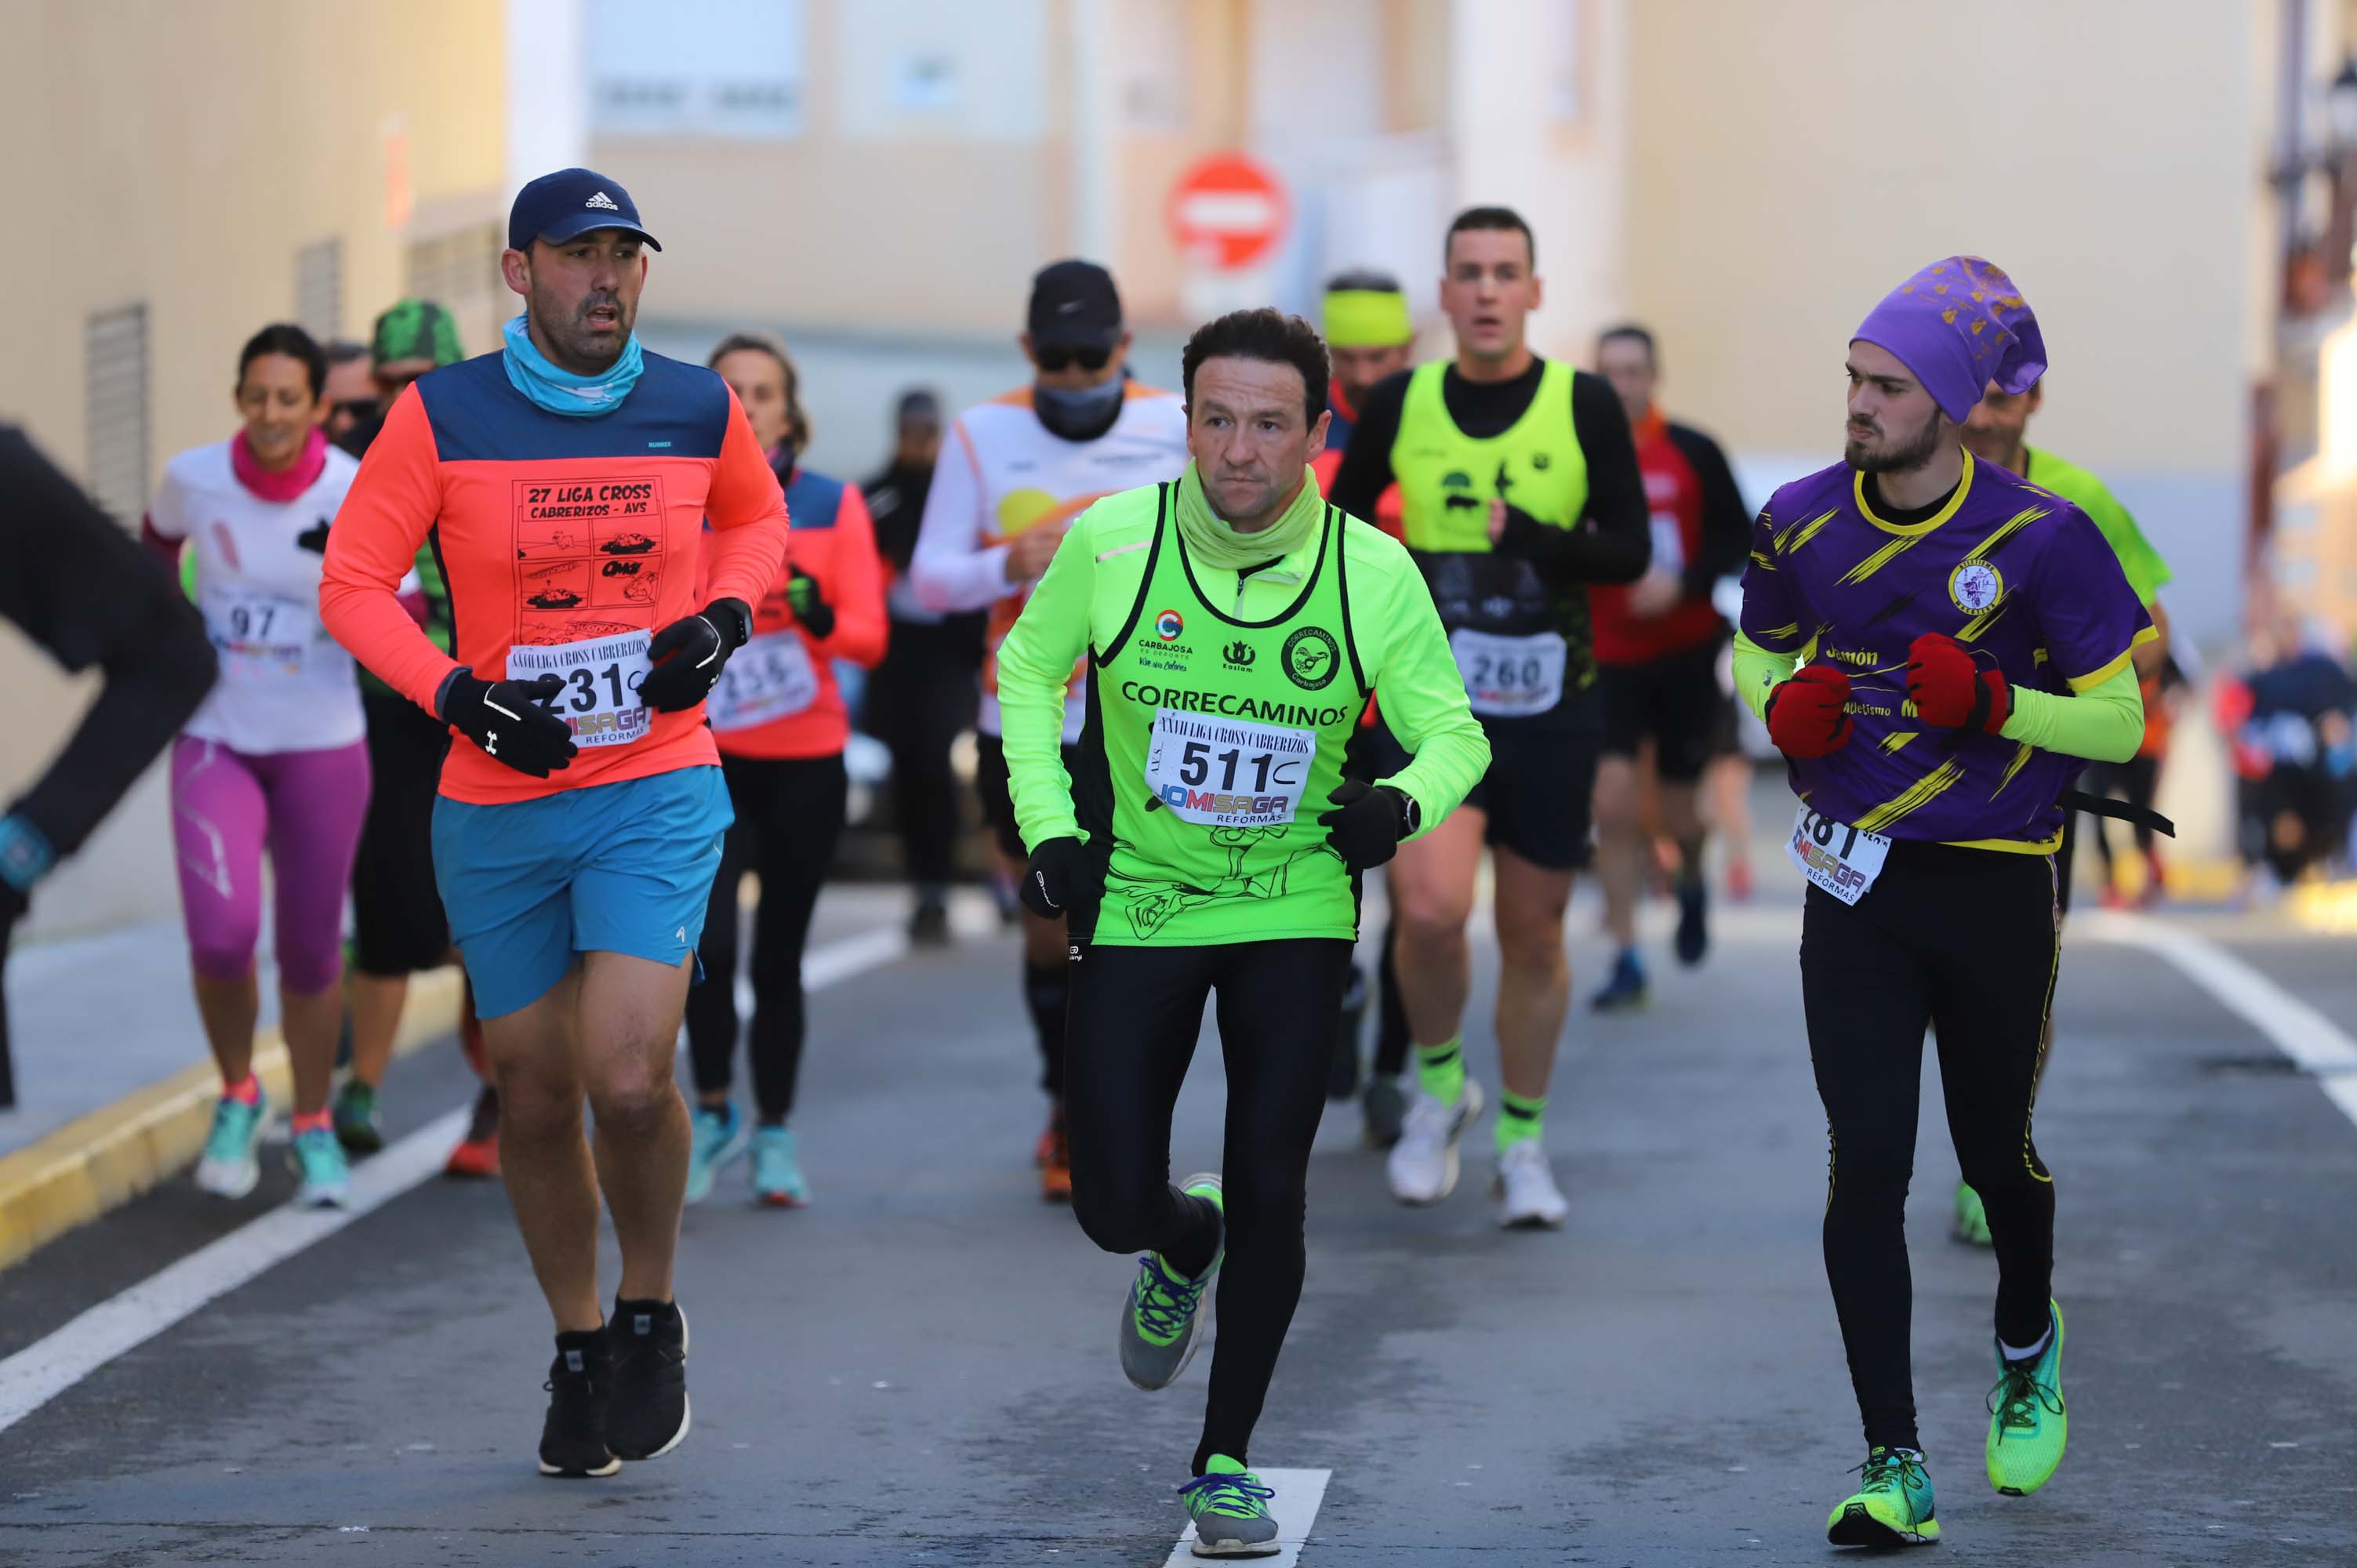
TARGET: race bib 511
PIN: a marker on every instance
(1228, 773)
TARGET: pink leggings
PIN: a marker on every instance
(307, 807)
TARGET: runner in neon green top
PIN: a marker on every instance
(1234, 625)
(1997, 431)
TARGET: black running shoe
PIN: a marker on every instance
(649, 1415)
(929, 924)
(1694, 931)
(580, 1382)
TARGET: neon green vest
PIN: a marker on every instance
(1221, 741)
(1446, 480)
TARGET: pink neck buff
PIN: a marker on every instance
(287, 482)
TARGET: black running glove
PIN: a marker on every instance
(1058, 877)
(809, 603)
(506, 718)
(1366, 824)
(688, 654)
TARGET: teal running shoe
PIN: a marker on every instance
(1626, 990)
(358, 1127)
(1229, 1507)
(778, 1169)
(230, 1167)
(1972, 1219)
(2026, 1420)
(318, 1160)
(1892, 1507)
(715, 1138)
(1162, 1320)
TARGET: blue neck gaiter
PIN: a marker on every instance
(531, 373)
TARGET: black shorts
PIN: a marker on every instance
(1676, 700)
(990, 781)
(1540, 783)
(398, 926)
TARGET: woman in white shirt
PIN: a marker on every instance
(274, 759)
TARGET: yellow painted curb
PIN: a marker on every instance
(101, 1161)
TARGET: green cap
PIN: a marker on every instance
(416, 330)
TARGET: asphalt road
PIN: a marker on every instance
(919, 1368)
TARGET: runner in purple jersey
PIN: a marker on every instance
(1936, 646)
(2015, 575)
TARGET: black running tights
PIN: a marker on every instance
(1135, 1013)
(789, 817)
(1967, 942)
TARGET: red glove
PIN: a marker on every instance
(1951, 691)
(1808, 716)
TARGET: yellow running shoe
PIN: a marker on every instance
(2027, 1424)
(1892, 1507)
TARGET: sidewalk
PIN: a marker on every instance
(114, 1087)
(94, 1019)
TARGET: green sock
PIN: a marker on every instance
(1441, 1069)
(1520, 1120)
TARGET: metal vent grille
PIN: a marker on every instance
(320, 289)
(114, 347)
(457, 269)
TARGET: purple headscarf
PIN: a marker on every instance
(1959, 325)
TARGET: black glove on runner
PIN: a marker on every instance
(688, 654)
(507, 720)
(1057, 878)
(1364, 826)
(808, 602)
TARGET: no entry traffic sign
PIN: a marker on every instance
(1227, 211)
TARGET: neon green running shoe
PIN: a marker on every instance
(1972, 1219)
(1162, 1320)
(1892, 1507)
(2027, 1424)
(1230, 1510)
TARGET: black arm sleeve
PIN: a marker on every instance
(78, 585)
(1726, 522)
(1612, 542)
(1366, 470)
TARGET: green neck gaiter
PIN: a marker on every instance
(1214, 544)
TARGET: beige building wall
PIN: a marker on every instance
(867, 217)
(1789, 163)
(178, 157)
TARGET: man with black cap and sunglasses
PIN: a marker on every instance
(1013, 474)
(605, 517)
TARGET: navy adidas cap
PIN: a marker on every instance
(572, 201)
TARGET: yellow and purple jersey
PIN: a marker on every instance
(2018, 575)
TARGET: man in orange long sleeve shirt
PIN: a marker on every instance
(565, 483)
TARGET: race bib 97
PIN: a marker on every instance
(1507, 677)
(601, 674)
(1228, 773)
(260, 636)
(769, 678)
(1837, 857)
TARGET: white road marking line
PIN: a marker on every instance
(1299, 1494)
(2310, 1039)
(840, 960)
(46, 1368)
(49, 1366)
